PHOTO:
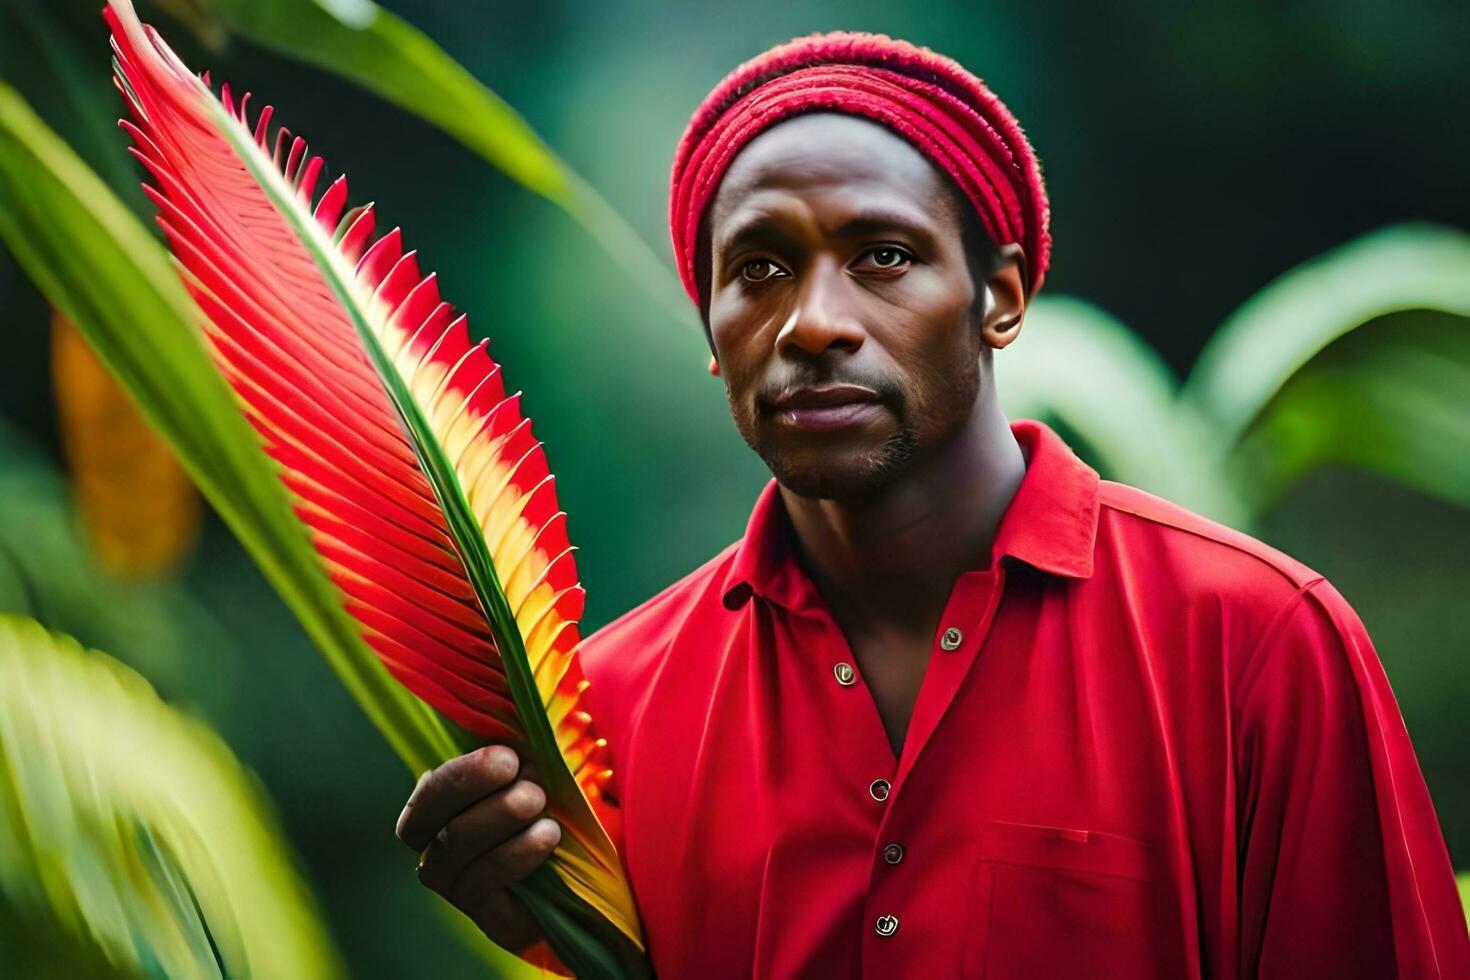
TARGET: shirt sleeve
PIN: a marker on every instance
(1343, 871)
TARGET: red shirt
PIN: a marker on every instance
(1146, 745)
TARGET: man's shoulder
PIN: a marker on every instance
(1202, 558)
(1261, 604)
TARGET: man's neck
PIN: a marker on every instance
(893, 559)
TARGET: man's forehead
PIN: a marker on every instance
(848, 163)
(852, 212)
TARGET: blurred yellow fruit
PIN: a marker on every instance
(136, 503)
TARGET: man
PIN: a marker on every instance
(953, 705)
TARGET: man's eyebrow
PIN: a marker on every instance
(760, 229)
(765, 229)
(875, 222)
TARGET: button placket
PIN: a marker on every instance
(974, 602)
(884, 906)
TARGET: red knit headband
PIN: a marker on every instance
(944, 111)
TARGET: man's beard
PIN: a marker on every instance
(866, 474)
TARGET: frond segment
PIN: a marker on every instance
(426, 493)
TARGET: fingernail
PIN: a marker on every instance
(409, 805)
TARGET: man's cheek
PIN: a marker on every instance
(742, 379)
(741, 397)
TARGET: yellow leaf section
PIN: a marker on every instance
(486, 473)
(450, 379)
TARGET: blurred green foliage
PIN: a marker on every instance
(1359, 356)
(48, 572)
(97, 263)
(1197, 155)
(361, 41)
(169, 868)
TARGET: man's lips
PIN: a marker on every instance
(823, 408)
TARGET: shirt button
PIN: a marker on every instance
(893, 853)
(846, 676)
(878, 789)
(886, 925)
(951, 639)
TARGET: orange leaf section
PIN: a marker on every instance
(137, 505)
(290, 351)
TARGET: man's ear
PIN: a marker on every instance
(1005, 299)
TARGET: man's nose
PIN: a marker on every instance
(823, 317)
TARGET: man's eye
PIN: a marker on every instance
(888, 257)
(759, 270)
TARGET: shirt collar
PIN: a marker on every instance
(1050, 524)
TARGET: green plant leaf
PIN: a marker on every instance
(1391, 396)
(96, 263)
(1281, 328)
(387, 421)
(586, 941)
(361, 41)
(131, 831)
(43, 59)
(1076, 365)
(48, 571)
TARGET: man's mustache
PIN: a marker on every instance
(773, 389)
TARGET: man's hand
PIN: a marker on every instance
(483, 829)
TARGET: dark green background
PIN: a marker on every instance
(1192, 152)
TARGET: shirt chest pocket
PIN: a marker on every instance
(1054, 902)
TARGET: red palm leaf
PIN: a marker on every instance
(425, 492)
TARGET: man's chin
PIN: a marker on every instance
(850, 476)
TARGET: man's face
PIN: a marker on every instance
(841, 305)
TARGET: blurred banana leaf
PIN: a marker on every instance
(383, 53)
(97, 264)
(1392, 397)
(53, 67)
(1361, 356)
(1277, 331)
(1080, 368)
(140, 511)
(48, 572)
(170, 868)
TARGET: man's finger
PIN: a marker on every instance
(505, 919)
(452, 788)
(485, 825)
(505, 865)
